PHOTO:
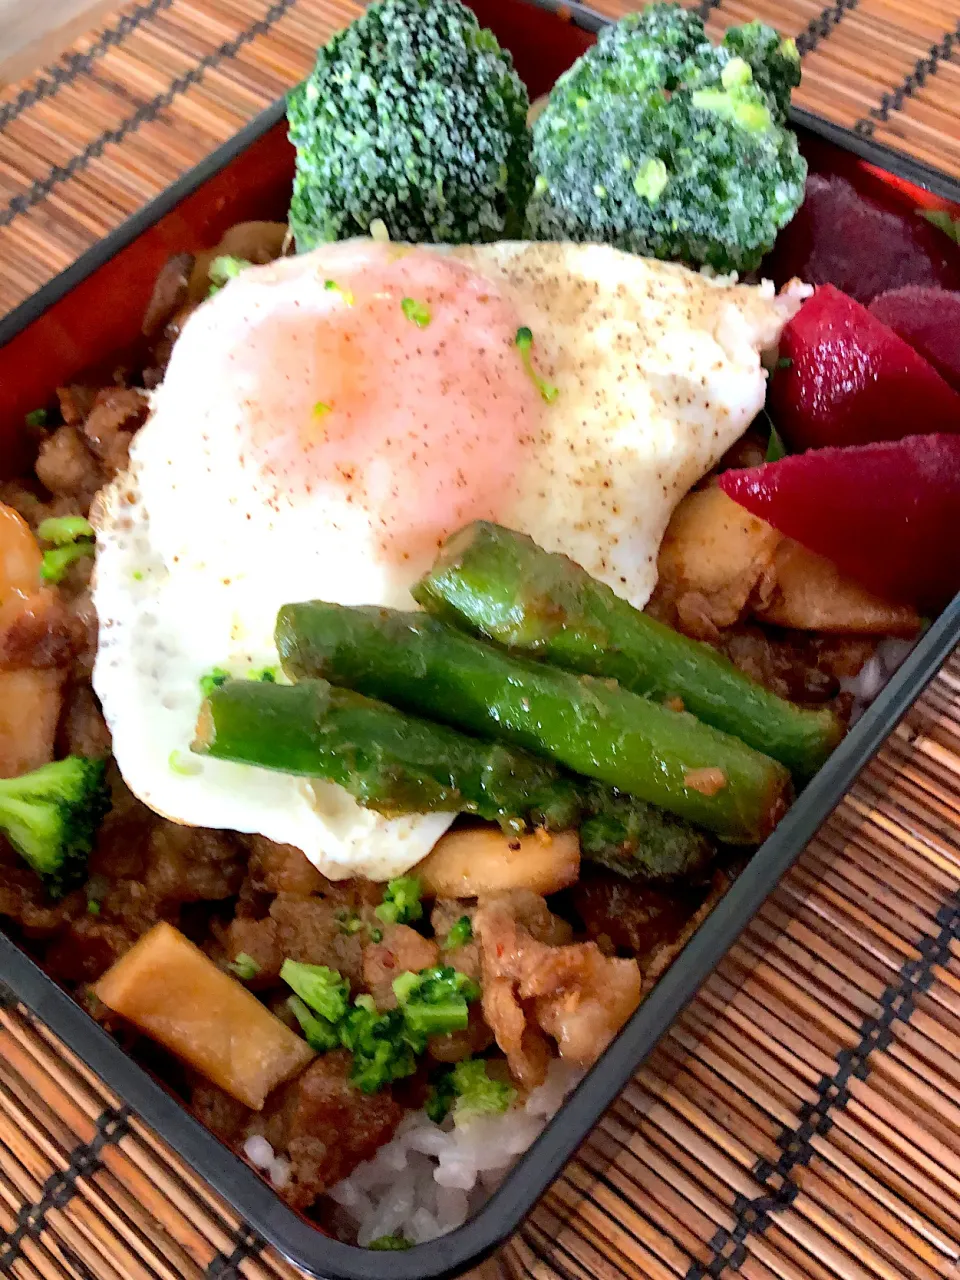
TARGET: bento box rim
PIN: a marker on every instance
(450, 1256)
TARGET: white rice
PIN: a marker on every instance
(875, 673)
(429, 1178)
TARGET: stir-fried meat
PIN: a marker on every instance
(116, 413)
(579, 996)
(82, 730)
(29, 711)
(280, 868)
(325, 1126)
(401, 949)
(67, 467)
(169, 293)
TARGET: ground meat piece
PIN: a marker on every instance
(281, 868)
(83, 625)
(796, 665)
(311, 930)
(75, 403)
(67, 467)
(325, 1126)
(457, 1045)
(191, 864)
(257, 939)
(116, 413)
(637, 918)
(222, 1114)
(169, 292)
(25, 901)
(86, 950)
(83, 730)
(400, 950)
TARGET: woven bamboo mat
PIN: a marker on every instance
(800, 1121)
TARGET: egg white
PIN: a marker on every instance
(658, 372)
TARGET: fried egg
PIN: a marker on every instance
(327, 420)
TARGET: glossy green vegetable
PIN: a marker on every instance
(639, 841)
(591, 726)
(389, 761)
(502, 586)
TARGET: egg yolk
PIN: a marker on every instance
(403, 388)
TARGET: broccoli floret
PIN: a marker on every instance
(461, 932)
(224, 268)
(663, 144)
(319, 1034)
(774, 61)
(467, 1090)
(382, 1046)
(415, 116)
(72, 538)
(434, 1001)
(390, 1242)
(401, 901)
(244, 966)
(51, 817)
(323, 989)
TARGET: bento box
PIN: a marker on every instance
(93, 311)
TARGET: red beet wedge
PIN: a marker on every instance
(887, 514)
(846, 379)
(929, 319)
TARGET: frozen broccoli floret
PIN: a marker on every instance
(415, 116)
(663, 144)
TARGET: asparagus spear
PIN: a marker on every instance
(390, 762)
(594, 728)
(500, 585)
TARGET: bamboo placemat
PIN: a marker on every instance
(800, 1121)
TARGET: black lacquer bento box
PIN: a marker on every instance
(93, 310)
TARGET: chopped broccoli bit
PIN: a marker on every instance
(440, 1097)
(775, 446)
(244, 966)
(63, 529)
(319, 1034)
(213, 680)
(266, 675)
(524, 342)
(665, 145)
(321, 409)
(224, 268)
(382, 1046)
(376, 935)
(476, 1093)
(434, 1001)
(460, 934)
(55, 562)
(401, 901)
(349, 922)
(390, 1242)
(323, 989)
(414, 117)
(51, 817)
(93, 907)
(468, 1091)
(417, 313)
(346, 294)
(36, 418)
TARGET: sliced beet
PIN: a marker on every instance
(886, 514)
(847, 379)
(844, 238)
(929, 320)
